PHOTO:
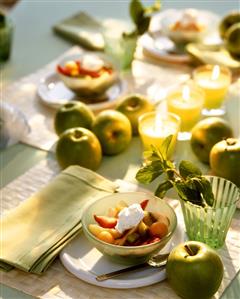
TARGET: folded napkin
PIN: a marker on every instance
(33, 234)
(213, 54)
(82, 29)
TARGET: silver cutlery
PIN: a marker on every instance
(158, 261)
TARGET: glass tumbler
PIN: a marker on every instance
(210, 224)
(120, 47)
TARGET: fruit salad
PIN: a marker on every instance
(188, 22)
(90, 65)
(89, 76)
(130, 225)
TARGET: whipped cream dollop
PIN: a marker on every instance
(92, 63)
(189, 16)
(129, 217)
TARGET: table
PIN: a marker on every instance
(35, 45)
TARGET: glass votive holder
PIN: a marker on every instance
(214, 80)
(6, 33)
(155, 126)
(118, 45)
(186, 101)
(210, 224)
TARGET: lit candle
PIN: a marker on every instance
(154, 127)
(186, 102)
(214, 80)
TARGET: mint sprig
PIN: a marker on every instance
(141, 15)
(188, 180)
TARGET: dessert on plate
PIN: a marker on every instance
(130, 225)
(129, 228)
(188, 22)
(188, 25)
(88, 75)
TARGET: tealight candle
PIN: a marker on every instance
(155, 126)
(186, 101)
(214, 80)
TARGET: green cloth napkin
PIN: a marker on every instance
(33, 234)
(82, 29)
(212, 54)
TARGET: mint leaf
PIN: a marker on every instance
(141, 15)
(163, 188)
(205, 188)
(149, 172)
(143, 25)
(188, 194)
(136, 11)
(165, 146)
(151, 155)
(188, 169)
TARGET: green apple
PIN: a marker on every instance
(232, 40)
(133, 106)
(113, 130)
(229, 20)
(206, 133)
(72, 115)
(194, 270)
(225, 159)
(78, 146)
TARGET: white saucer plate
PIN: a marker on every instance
(159, 46)
(53, 93)
(162, 48)
(85, 262)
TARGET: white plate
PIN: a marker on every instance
(161, 47)
(85, 262)
(53, 93)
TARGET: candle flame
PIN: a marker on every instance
(215, 72)
(186, 93)
(158, 124)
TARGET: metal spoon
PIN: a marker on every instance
(157, 261)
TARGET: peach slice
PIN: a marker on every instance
(121, 205)
(158, 229)
(105, 221)
(106, 237)
(95, 229)
(161, 218)
(112, 212)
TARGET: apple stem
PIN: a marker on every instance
(231, 141)
(189, 250)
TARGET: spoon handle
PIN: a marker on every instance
(125, 270)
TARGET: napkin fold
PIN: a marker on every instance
(83, 30)
(33, 234)
(212, 54)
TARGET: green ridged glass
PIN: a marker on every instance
(210, 224)
(121, 50)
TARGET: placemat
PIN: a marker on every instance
(145, 78)
(57, 283)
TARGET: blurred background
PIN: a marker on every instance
(33, 21)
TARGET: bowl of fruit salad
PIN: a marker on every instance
(129, 228)
(88, 75)
(188, 25)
